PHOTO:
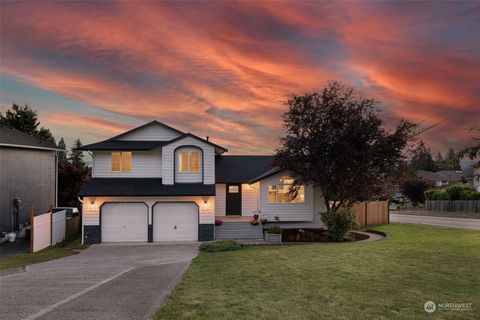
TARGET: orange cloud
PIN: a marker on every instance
(224, 69)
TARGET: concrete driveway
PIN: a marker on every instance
(122, 281)
(437, 221)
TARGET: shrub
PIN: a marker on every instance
(471, 195)
(338, 224)
(274, 230)
(455, 192)
(220, 246)
(429, 194)
(415, 189)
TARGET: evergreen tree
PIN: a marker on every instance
(76, 157)
(440, 161)
(62, 155)
(422, 159)
(25, 119)
(452, 160)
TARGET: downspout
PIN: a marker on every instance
(56, 178)
(81, 201)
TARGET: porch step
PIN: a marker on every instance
(238, 230)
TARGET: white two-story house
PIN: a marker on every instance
(156, 183)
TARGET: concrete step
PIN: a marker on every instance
(238, 230)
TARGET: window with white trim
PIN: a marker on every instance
(189, 161)
(280, 193)
(121, 161)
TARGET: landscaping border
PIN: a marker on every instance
(246, 243)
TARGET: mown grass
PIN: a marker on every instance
(60, 250)
(387, 279)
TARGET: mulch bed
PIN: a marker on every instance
(313, 235)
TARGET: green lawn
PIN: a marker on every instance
(388, 279)
(60, 250)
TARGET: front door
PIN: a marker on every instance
(234, 200)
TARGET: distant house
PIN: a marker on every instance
(28, 177)
(442, 178)
(476, 177)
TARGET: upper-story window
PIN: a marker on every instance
(121, 161)
(189, 161)
(279, 193)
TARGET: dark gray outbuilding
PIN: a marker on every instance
(28, 172)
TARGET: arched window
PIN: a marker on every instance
(280, 193)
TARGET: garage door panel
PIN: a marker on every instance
(124, 222)
(175, 222)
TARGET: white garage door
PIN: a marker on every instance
(124, 222)
(175, 222)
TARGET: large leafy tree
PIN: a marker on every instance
(422, 159)
(25, 119)
(71, 179)
(335, 140)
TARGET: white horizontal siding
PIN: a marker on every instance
(153, 132)
(187, 177)
(220, 196)
(318, 208)
(250, 194)
(285, 211)
(208, 160)
(145, 164)
(91, 216)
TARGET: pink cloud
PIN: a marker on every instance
(224, 69)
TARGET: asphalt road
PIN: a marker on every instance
(103, 282)
(437, 221)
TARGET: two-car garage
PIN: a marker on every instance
(129, 221)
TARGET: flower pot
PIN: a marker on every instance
(273, 238)
(12, 236)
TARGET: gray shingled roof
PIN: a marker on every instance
(116, 144)
(444, 175)
(124, 145)
(15, 138)
(142, 187)
(240, 169)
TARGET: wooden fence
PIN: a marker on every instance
(457, 205)
(371, 213)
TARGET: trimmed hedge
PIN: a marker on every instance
(220, 246)
(456, 192)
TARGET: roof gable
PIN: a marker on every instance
(218, 149)
(152, 131)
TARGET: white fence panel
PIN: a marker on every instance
(59, 221)
(41, 237)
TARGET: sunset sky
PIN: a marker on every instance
(95, 69)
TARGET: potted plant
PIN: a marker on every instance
(12, 236)
(254, 221)
(264, 219)
(273, 234)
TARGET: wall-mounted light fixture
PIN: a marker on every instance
(92, 205)
(205, 203)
